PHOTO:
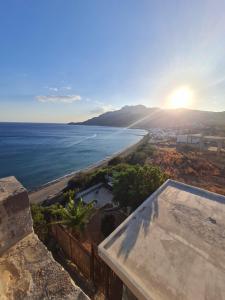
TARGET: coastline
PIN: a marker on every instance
(55, 187)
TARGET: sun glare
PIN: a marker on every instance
(181, 97)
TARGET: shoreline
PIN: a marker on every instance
(54, 188)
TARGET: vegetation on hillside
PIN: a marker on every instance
(134, 184)
(140, 155)
(40, 223)
(133, 180)
(75, 215)
(205, 170)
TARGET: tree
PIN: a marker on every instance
(135, 183)
(137, 158)
(75, 215)
(115, 161)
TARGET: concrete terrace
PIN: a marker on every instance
(172, 246)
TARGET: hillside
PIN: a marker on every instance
(205, 170)
(140, 116)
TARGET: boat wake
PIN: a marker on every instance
(84, 139)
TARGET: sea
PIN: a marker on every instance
(37, 154)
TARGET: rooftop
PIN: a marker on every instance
(216, 138)
(172, 246)
(99, 192)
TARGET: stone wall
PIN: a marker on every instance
(15, 216)
(27, 269)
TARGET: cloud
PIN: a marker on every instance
(67, 88)
(58, 98)
(101, 109)
(57, 89)
(54, 89)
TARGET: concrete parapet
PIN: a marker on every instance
(15, 216)
(27, 268)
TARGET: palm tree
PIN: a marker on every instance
(75, 215)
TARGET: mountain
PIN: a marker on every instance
(140, 116)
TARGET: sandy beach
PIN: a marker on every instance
(55, 188)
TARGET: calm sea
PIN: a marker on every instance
(39, 153)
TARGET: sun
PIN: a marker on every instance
(181, 97)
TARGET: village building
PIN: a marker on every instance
(212, 143)
(100, 192)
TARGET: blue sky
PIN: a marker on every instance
(69, 60)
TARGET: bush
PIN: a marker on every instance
(85, 180)
(141, 154)
(40, 223)
(98, 176)
(137, 158)
(75, 215)
(115, 161)
(134, 184)
(78, 182)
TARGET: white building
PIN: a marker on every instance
(98, 192)
(189, 139)
(172, 246)
(203, 142)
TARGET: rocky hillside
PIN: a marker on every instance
(140, 116)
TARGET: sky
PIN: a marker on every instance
(70, 60)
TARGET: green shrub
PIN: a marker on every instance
(40, 223)
(115, 161)
(75, 215)
(85, 180)
(78, 182)
(134, 184)
(137, 158)
(98, 176)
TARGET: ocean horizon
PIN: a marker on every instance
(38, 153)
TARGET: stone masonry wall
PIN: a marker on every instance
(15, 216)
(27, 269)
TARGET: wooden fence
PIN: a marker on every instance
(90, 264)
(73, 249)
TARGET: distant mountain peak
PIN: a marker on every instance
(139, 106)
(140, 116)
